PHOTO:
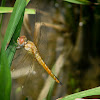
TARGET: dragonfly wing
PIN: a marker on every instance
(25, 72)
(41, 41)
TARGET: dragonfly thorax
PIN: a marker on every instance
(30, 47)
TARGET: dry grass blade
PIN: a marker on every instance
(55, 26)
(27, 24)
(15, 74)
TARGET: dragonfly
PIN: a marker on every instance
(30, 47)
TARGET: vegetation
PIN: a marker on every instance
(75, 24)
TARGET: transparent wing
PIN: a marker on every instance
(40, 38)
(26, 73)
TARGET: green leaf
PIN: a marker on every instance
(1, 18)
(27, 1)
(15, 17)
(10, 9)
(90, 92)
(5, 78)
(12, 46)
(12, 30)
(3, 3)
(30, 11)
(8, 48)
(84, 2)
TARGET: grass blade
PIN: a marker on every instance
(15, 17)
(1, 18)
(90, 92)
(10, 9)
(5, 78)
(12, 32)
(84, 2)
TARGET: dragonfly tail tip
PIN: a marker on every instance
(60, 83)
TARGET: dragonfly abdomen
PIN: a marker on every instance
(31, 48)
(41, 62)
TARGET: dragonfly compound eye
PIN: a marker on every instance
(21, 40)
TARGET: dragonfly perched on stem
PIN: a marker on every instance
(32, 49)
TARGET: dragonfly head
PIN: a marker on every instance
(21, 41)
